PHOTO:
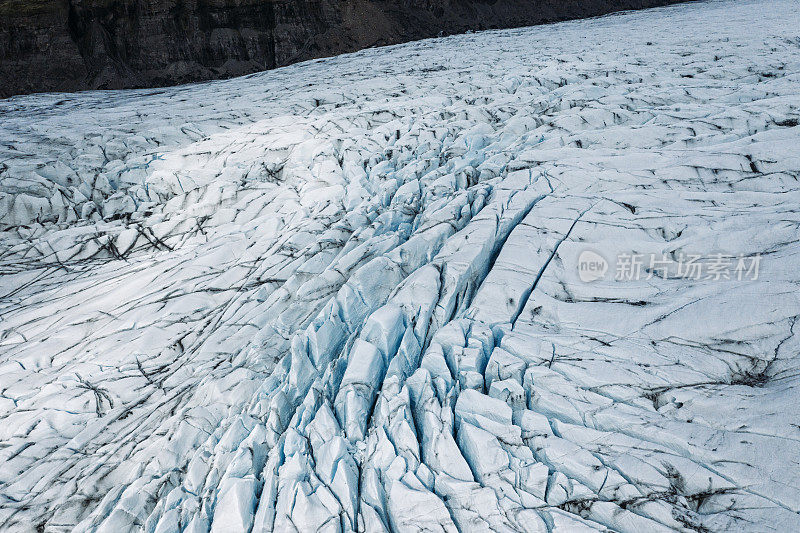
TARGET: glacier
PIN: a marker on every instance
(345, 295)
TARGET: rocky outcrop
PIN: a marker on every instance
(64, 45)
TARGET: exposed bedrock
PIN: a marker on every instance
(66, 45)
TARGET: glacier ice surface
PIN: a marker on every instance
(343, 295)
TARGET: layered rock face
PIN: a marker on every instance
(57, 45)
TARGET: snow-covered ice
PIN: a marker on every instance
(344, 295)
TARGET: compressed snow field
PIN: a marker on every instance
(344, 295)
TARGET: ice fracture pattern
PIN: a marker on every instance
(344, 295)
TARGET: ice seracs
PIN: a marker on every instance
(345, 296)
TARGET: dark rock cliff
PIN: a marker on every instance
(64, 45)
